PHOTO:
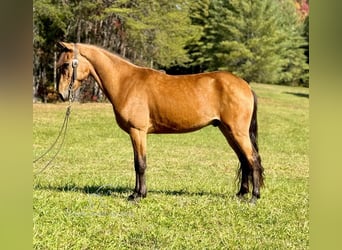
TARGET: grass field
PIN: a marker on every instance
(80, 201)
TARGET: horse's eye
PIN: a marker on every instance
(66, 64)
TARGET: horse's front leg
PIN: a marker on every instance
(138, 139)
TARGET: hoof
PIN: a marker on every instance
(241, 196)
(135, 197)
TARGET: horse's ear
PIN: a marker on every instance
(65, 46)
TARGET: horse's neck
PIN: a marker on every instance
(108, 70)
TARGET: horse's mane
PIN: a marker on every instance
(111, 53)
(119, 57)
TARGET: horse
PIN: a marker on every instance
(148, 101)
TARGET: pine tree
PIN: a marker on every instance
(199, 13)
(295, 67)
(259, 40)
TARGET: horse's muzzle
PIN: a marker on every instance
(64, 96)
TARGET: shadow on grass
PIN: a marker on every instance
(297, 94)
(104, 190)
(187, 193)
(108, 190)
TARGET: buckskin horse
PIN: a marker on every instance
(150, 101)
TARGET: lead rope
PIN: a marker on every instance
(62, 133)
(64, 127)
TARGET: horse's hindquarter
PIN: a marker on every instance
(190, 102)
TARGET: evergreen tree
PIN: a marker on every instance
(199, 14)
(295, 66)
(259, 40)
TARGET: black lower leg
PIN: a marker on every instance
(245, 172)
(135, 193)
(140, 190)
(257, 178)
(255, 196)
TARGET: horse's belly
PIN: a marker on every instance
(179, 123)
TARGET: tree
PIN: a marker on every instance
(295, 67)
(259, 40)
(199, 14)
(48, 26)
(155, 30)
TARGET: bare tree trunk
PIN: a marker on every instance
(79, 29)
(55, 69)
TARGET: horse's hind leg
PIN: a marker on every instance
(249, 159)
(244, 170)
(245, 173)
(255, 169)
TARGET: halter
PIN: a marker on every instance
(74, 65)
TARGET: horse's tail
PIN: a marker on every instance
(253, 127)
(253, 134)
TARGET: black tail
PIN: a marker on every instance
(253, 134)
(253, 128)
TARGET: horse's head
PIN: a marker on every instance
(72, 69)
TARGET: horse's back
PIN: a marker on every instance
(211, 89)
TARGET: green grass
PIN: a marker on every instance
(80, 201)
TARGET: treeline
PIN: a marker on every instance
(259, 40)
